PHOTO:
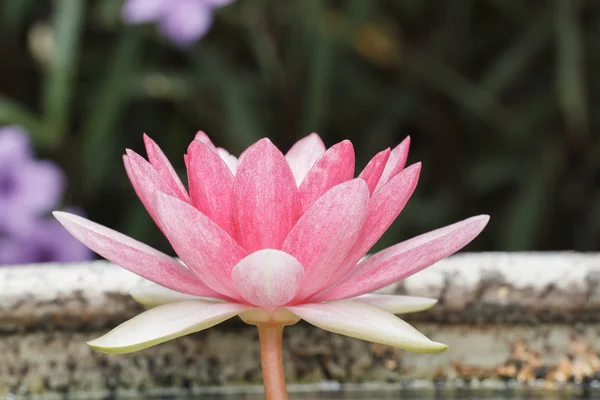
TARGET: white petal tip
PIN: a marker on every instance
(433, 347)
(440, 347)
(426, 305)
(114, 350)
(107, 350)
(425, 347)
(102, 345)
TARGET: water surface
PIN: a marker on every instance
(408, 395)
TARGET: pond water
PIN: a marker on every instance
(408, 395)
(331, 391)
(389, 396)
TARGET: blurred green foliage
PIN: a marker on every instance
(498, 96)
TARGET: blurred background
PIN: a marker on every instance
(498, 97)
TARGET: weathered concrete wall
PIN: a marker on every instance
(505, 316)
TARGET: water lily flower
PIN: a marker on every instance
(273, 239)
(182, 21)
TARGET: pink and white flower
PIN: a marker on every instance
(273, 239)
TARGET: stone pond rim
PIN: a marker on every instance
(539, 312)
(478, 288)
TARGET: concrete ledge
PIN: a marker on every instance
(86, 296)
(481, 288)
(522, 317)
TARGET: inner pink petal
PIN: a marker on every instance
(395, 163)
(205, 248)
(384, 207)
(327, 231)
(335, 166)
(372, 172)
(211, 183)
(265, 204)
(203, 137)
(146, 182)
(163, 167)
(303, 155)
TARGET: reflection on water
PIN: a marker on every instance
(408, 395)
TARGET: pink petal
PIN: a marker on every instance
(404, 259)
(229, 159)
(146, 182)
(303, 155)
(268, 278)
(135, 256)
(364, 321)
(163, 323)
(335, 166)
(211, 184)
(163, 167)
(327, 231)
(395, 163)
(203, 137)
(384, 207)
(372, 172)
(204, 247)
(265, 204)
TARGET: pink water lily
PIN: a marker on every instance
(272, 238)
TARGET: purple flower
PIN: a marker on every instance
(182, 21)
(28, 187)
(47, 241)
